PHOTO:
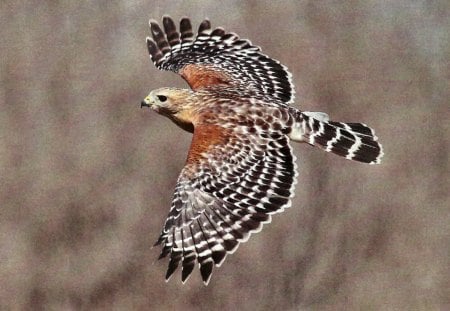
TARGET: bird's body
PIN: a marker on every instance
(240, 168)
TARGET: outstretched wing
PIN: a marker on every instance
(215, 57)
(234, 179)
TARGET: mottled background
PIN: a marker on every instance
(87, 176)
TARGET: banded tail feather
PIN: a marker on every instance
(353, 141)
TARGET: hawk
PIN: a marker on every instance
(240, 169)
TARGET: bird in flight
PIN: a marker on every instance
(240, 169)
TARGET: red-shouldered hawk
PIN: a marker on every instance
(240, 168)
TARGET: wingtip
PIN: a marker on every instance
(206, 281)
(167, 20)
(152, 22)
(205, 26)
(170, 272)
(186, 274)
(206, 271)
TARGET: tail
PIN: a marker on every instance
(354, 141)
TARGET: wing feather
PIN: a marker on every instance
(224, 193)
(172, 35)
(186, 30)
(217, 58)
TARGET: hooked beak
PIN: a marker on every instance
(144, 104)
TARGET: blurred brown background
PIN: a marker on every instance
(87, 176)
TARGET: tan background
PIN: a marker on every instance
(87, 176)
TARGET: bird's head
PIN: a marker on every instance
(174, 103)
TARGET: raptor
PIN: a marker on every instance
(240, 169)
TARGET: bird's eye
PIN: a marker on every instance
(162, 98)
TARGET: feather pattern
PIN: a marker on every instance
(222, 53)
(229, 191)
(240, 169)
(353, 141)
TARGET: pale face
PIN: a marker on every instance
(162, 100)
(173, 103)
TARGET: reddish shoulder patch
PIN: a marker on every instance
(200, 76)
(205, 137)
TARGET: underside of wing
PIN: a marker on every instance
(231, 185)
(215, 57)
